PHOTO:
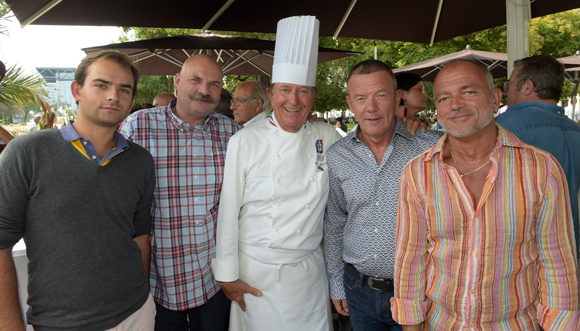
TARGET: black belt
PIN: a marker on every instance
(377, 284)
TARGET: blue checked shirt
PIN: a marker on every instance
(189, 164)
(361, 213)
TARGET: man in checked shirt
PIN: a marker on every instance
(188, 143)
(485, 239)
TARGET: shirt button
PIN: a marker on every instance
(276, 130)
(377, 203)
(311, 155)
(194, 155)
(196, 222)
(277, 228)
(195, 199)
(84, 142)
(277, 180)
(307, 206)
(309, 132)
(298, 231)
(277, 154)
(375, 256)
(195, 177)
(477, 219)
(376, 230)
(278, 204)
(94, 157)
(311, 179)
(455, 180)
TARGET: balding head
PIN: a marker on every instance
(198, 87)
(162, 99)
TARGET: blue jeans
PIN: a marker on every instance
(369, 309)
(214, 315)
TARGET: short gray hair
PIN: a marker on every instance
(546, 72)
(482, 67)
(259, 92)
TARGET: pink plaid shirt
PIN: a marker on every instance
(189, 165)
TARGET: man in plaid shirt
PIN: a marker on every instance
(188, 143)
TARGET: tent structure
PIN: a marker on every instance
(572, 64)
(495, 62)
(238, 56)
(424, 21)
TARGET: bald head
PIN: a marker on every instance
(198, 87)
(162, 99)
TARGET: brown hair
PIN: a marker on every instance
(545, 72)
(368, 67)
(115, 56)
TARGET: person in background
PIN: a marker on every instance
(251, 103)
(336, 124)
(485, 235)
(162, 99)
(36, 120)
(223, 107)
(411, 95)
(534, 90)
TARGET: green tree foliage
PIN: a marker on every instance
(556, 35)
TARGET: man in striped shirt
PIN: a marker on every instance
(484, 235)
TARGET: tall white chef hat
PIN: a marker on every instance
(296, 51)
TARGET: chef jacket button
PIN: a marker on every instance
(311, 155)
(298, 231)
(307, 206)
(277, 180)
(309, 132)
(311, 179)
(277, 228)
(278, 204)
(276, 130)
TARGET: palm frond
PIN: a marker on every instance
(20, 88)
(4, 16)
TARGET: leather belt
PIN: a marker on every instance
(377, 284)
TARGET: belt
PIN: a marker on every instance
(377, 284)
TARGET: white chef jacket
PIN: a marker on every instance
(272, 205)
(256, 119)
(273, 195)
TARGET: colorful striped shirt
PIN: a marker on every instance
(506, 264)
(189, 164)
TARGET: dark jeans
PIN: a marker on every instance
(369, 309)
(214, 315)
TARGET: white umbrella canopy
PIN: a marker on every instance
(428, 69)
(572, 64)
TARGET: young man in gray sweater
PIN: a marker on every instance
(81, 198)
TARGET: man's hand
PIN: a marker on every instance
(341, 307)
(10, 315)
(235, 291)
(413, 123)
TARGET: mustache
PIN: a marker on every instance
(459, 113)
(198, 96)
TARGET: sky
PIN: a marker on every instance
(51, 45)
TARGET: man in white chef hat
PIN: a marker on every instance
(269, 260)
